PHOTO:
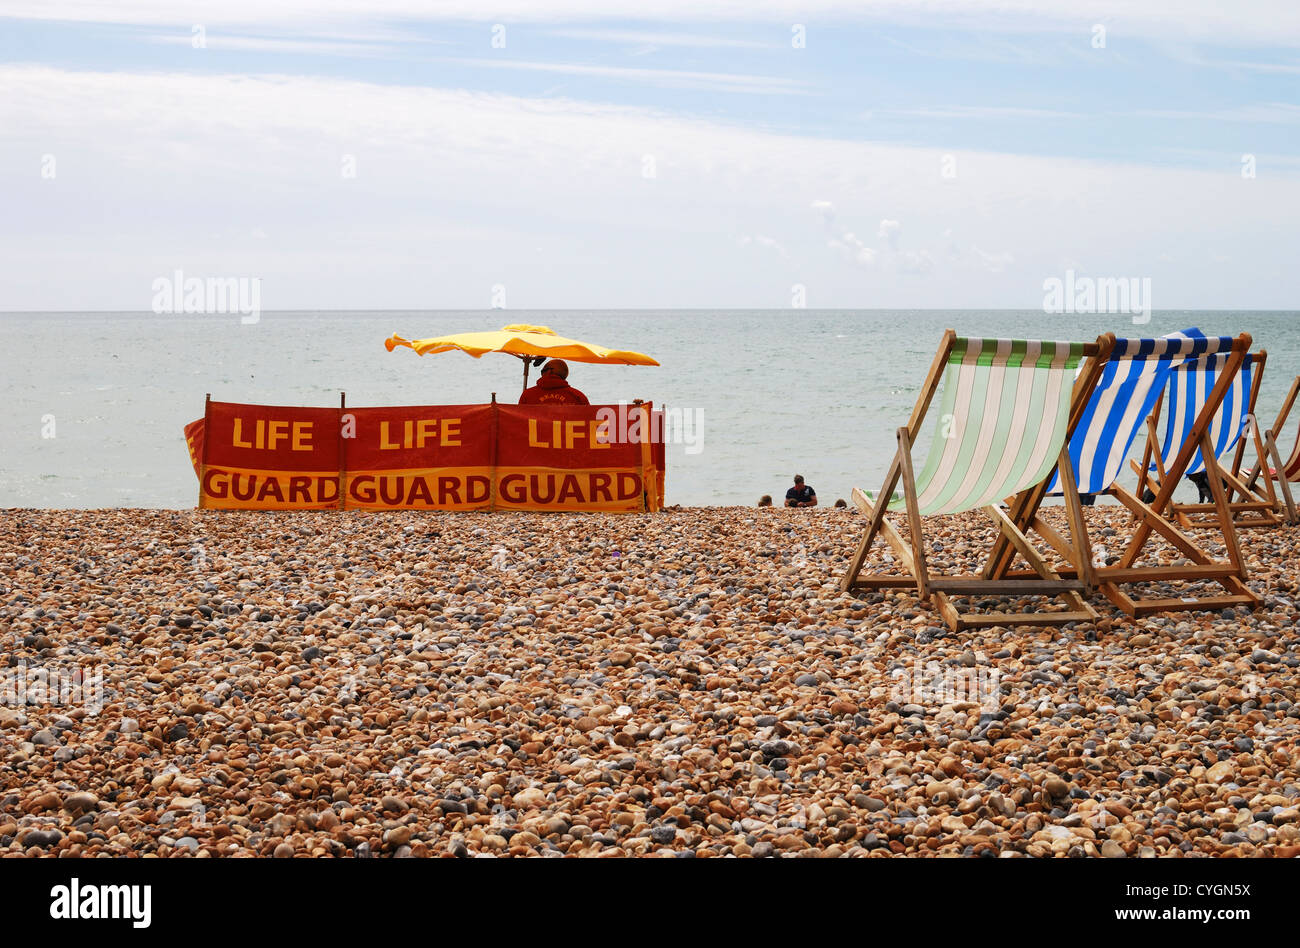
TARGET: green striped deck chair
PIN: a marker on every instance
(1006, 416)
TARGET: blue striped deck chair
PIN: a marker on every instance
(1132, 384)
(1231, 430)
(1130, 387)
(1006, 415)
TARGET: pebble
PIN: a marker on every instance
(663, 835)
(362, 685)
(78, 803)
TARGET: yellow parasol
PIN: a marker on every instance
(532, 344)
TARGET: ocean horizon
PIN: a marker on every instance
(98, 399)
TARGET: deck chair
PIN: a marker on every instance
(1006, 415)
(1231, 430)
(1282, 473)
(1131, 383)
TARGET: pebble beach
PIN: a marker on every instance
(686, 684)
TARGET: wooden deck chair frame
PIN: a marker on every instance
(942, 589)
(1280, 472)
(1151, 518)
(1254, 506)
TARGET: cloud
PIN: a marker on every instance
(670, 78)
(267, 44)
(984, 112)
(1275, 113)
(828, 212)
(656, 38)
(1269, 22)
(888, 232)
(455, 190)
(766, 242)
(914, 261)
(993, 262)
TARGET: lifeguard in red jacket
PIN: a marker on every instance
(553, 387)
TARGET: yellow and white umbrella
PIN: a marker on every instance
(532, 344)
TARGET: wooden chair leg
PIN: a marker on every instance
(913, 514)
(1221, 503)
(877, 517)
(896, 542)
(1283, 484)
(1078, 529)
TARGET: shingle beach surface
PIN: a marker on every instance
(691, 682)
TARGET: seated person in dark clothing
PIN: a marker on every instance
(1202, 481)
(1203, 493)
(553, 387)
(800, 495)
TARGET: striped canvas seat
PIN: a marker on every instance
(1131, 383)
(1120, 392)
(1001, 424)
(1189, 386)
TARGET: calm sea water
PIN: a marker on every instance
(818, 392)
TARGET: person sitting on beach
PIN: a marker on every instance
(1202, 481)
(765, 500)
(800, 495)
(553, 387)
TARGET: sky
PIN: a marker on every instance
(374, 154)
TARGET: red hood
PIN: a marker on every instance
(552, 381)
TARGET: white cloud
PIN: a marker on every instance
(268, 44)
(655, 38)
(984, 112)
(1270, 22)
(672, 78)
(993, 262)
(888, 232)
(914, 261)
(1274, 113)
(766, 242)
(455, 191)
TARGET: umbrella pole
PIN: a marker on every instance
(526, 364)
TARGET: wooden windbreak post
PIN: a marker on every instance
(644, 460)
(661, 490)
(492, 474)
(343, 456)
(207, 439)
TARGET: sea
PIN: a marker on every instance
(94, 404)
